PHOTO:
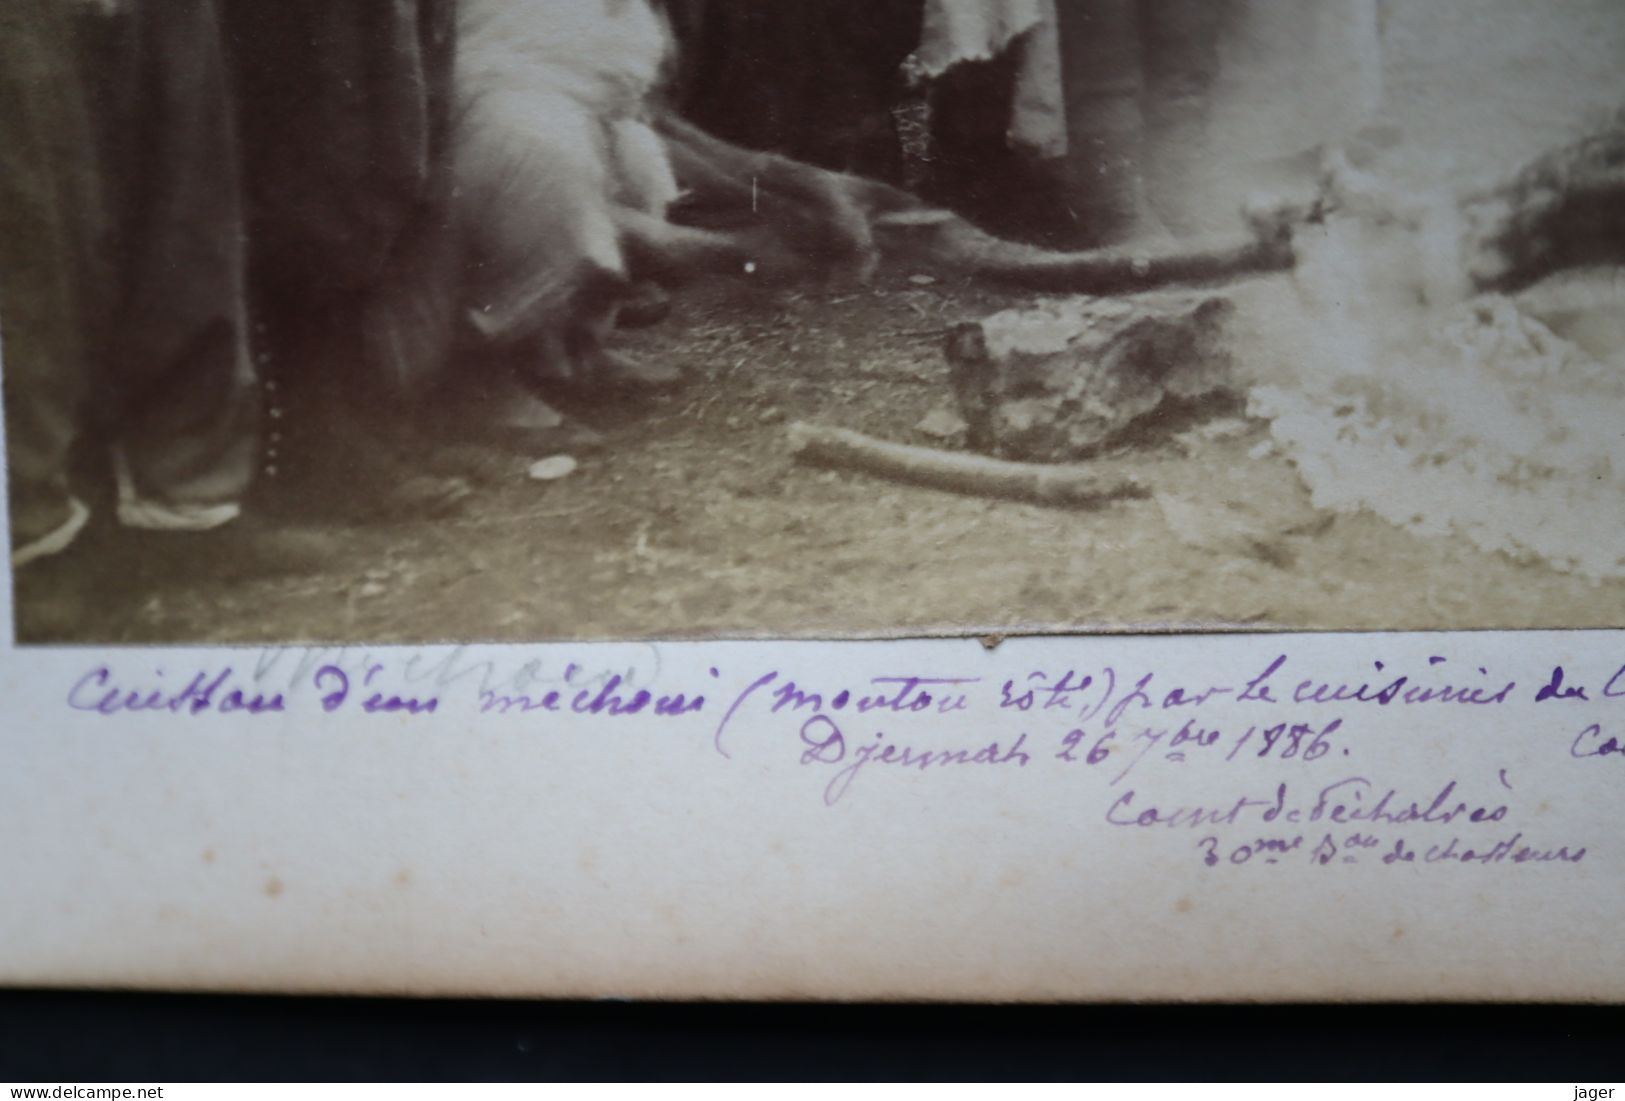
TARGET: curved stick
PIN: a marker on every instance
(958, 472)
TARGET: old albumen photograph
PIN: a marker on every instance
(420, 320)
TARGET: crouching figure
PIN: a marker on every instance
(556, 163)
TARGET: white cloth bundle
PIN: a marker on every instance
(551, 138)
(957, 31)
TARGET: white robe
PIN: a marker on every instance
(551, 137)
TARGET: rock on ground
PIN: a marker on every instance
(1057, 381)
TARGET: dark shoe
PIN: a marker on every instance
(646, 303)
(621, 373)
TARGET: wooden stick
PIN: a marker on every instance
(946, 243)
(957, 472)
(1119, 272)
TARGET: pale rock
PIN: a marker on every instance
(553, 468)
(1057, 381)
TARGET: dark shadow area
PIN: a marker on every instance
(58, 1038)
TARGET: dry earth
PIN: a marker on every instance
(696, 521)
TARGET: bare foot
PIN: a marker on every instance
(501, 411)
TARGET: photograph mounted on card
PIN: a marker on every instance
(537, 497)
(1316, 817)
(531, 320)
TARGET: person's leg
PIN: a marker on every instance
(1102, 63)
(47, 211)
(177, 362)
(1181, 42)
(344, 121)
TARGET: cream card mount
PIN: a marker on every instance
(1244, 817)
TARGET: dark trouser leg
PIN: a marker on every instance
(1181, 40)
(177, 362)
(1101, 55)
(346, 126)
(46, 216)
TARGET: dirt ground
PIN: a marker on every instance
(696, 521)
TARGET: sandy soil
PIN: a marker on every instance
(696, 522)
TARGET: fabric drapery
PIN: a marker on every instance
(551, 140)
(347, 113)
(953, 32)
(179, 397)
(49, 227)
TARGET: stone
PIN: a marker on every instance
(1060, 380)
(942, 423)
(553, 468)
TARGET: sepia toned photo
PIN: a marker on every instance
(528, 320)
